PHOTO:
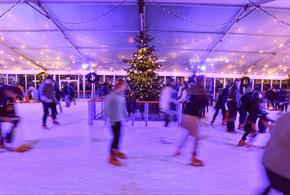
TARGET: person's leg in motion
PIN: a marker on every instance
(10, 135)
(248, 130)
(166, 118)
(195, 133)
(53, 113)
(215, 115)
(225, 116)
(67, 100)
(232, 116)
(45, 114)
(182, 143)
(115, 153)
(242, 118)
(60, 107)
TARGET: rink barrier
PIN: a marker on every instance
(93, 115)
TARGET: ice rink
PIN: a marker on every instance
(72, 159)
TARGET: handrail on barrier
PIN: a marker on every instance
(92, 110)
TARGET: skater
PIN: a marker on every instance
(8, 114)
(47, 97)
(255, 111)
(168, 102)
(116, 111)
(72, 94)
(193, 113)
(66, 93)
(233, 104)
(220, 105)
(246, 102)
(276, 157)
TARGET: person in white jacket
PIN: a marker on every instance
(168, 101)
(276, 157)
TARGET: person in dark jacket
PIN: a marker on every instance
(245, 102)
(255, 111)
(192, 114)
(8, 114)
(233, 104)
(47, 97)
(220, 105)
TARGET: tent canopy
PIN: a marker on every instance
(219, 36)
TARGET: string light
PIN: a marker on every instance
(85, 21)
(169, 12)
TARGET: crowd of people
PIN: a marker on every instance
(191, 98)
(48, 94)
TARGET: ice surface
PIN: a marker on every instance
(73, 159)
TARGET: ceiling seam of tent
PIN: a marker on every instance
(60, 30)
(226, 32)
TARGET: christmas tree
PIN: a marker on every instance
(143, 80)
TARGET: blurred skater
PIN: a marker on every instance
(116, 111)
(168, 102)
(8, 114)
(48, 99)
(193, 113)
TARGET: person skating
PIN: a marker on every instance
(47, 97)
(276, 158)
(233, 104)
(116, 112)
(72, 93)
(168, 101)
(8, 115)
(192, 115)
(255, 111)
(220, 105)
(66, 93)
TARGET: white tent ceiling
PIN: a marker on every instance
(186, 33)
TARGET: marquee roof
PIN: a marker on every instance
(225, 36)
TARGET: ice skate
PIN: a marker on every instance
(177, 153)
(196, 162)
(114, 161)
(242, 143)
(119, 154)
(44, 126)
(55, 122)
(21, 148)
